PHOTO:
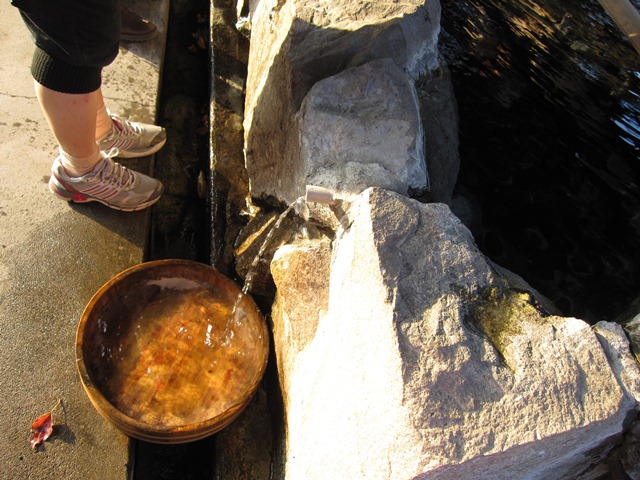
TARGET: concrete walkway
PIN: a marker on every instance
(53, 257)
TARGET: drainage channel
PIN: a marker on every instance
(180, 221)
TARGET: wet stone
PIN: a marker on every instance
(259, 234)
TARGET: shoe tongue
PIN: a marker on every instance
(117, 125)
(99, 168)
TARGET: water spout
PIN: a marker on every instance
(336, 202)
(315, 194)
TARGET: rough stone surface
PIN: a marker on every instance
(302, 271)
(633, 330)
(432, 366)
(259, 240)
(255, 247)
(623, 363)
(246, 8)
(296, 43)
(361, 128)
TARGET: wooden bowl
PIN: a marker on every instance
(171, 351)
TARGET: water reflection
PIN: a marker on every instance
(549, 95)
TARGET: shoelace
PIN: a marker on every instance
(124, 127)
(115, 173)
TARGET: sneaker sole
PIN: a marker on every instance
(59, 190)
(141, 153)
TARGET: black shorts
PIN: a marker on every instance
(74, 40)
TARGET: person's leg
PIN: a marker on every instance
(72, 120)
(104, 124)
(82, 172)
(78, 119)
(74, 42)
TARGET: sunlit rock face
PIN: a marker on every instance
(402, 351)
(361, 128)
(295, 44)
(417, 357)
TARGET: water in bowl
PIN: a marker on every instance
(180, 358)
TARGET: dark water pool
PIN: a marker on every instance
(549, 100)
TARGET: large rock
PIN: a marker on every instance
(302, 271)
(361, 128)
(296, 43)
(633, 330)
(618, 351)
(419, 361)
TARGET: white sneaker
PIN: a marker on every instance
(132, 139)
(108, 183)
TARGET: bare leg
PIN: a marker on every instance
(103, 120)
(72, 118)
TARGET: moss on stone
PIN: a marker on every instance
(499, 313)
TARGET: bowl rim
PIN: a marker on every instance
(136, 428)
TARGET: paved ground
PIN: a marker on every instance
(53, 258)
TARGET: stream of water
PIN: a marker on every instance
(549, 96)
